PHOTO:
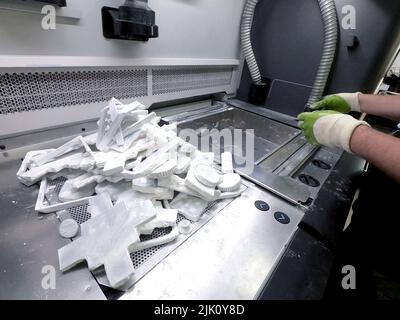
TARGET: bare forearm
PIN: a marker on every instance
(384, 106)
(383, 151)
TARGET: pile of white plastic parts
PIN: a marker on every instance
(136, 176)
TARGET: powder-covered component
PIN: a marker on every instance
(190, 207)
(185, 227)
(226, 162)
(230, 182)
(165, 170)
(68, 229)
(207, 175)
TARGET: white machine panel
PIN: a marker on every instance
(197, 53)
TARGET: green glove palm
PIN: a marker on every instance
(333, 102)
(307, 121)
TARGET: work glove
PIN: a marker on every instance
(329, 128)
(341, 102)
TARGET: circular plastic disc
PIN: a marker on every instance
(230, 182)
(69, 228)
(184, 227)
(207, 175)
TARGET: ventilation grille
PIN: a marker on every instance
(178, 80)
(32, 91)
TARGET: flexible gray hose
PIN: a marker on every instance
(329, 16)
(247, 21)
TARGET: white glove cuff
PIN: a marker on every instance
(353, 99)
(335, 131)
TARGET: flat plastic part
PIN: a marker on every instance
(165, 170)
(230, 182)
(207, 175)
(69, 193)
(206, 192)
(226, 162)
(165, 218)
(43, 207)
(49, 156)
(190, 207)
(177, 184)
(107, 239)
(68, 229)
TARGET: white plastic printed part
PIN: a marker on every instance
(156, 241)
(136, 126)
(177, 184)
(113, 189)
(107, 239)
(234, 194)
(183, 164)
(68, 229)
(69, 193)
(43, 207)
(134, 200)
(190, 207)
(111, 122)
(145, 185)
(230, 182)
(206, 158)
(206, 192)
(165, 218)
(73, 161)
(207, 175)
(99, 204)
(133, 164)
(26, 164)
(156, 159)
(185, 227)
(88, 181)
(165, 170)
(72, 145)
(226, 162)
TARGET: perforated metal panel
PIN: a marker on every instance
(43, 90)
(185, 79)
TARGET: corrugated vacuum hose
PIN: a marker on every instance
(330, 21)
(247, 21)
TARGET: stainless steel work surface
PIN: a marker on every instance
(284, 162)
(28, 247)
(230, 257)
(269, 135)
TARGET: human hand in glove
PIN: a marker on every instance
(329, 128)
(341, 102)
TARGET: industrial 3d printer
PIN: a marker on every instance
(213, 64)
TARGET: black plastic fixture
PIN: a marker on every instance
(134, 20)
(309, 181)
(321, 164)
(258, 92)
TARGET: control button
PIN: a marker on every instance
(261, 205)
(282, 217)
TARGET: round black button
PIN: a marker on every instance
(261, 205)
(282, 217)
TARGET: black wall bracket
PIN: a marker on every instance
(132, 21)
(60, 3)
